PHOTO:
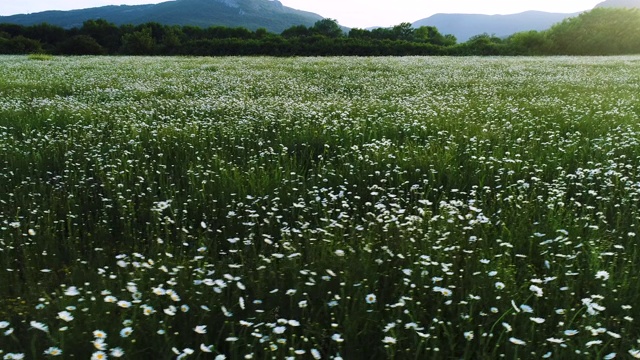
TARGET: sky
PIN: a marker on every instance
(350, 13)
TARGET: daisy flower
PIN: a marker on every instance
(99, 355)
(389, 340)
(72, 291)
(370, 298)
(53, 351)
(116, 352)
(126, 332)
(39, 326)
(65, 316)
(201, 329)
(604, 275)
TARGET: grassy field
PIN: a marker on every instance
(319, 208)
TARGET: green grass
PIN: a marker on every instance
(41, 57)
(269, 198)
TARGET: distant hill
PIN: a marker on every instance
(251, 14)
(620, 3)
(464, 26)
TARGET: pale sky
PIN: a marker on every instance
(350, 13)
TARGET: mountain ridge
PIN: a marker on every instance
(275, 17)
(251, 14)
(620, 3)
(465, 26)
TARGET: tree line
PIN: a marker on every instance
(602, 31)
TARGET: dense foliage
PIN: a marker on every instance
(365, 208)
(602, 31)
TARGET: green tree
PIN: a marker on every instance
(450, 40)
(328, 28)
(296, 32)
(381, 33)
(20, 45)
(47, 34)
(193, 32)
(483, 44)
(403, 31)
(172, 40)
(105, 33)
(431, 35)
(356, 33)
(601, 31)
(81, 45)
(12, 29)
(528, 43)
(139, 42)
(261, 33)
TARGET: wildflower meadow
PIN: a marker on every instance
(319, 208)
